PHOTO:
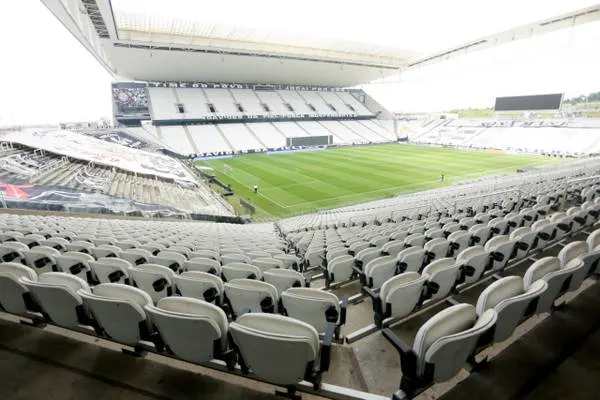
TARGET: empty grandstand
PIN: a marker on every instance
(384, 260)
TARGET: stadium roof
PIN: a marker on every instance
(255, 42)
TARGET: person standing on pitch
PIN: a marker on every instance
(255, 188)
(442, 178)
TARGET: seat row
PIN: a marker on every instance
(280, 349)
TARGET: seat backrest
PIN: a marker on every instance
(136, 256)
(403, 292)
(57, 294)
(278, 348)
(495, 242)
(283, 279)
(255, 295)
(411, 258)
(203, 264)
(156, 280)
(11, 290)
(265, 263)
(511, 302)
(119, 310)
(444, 273)
(448, 338)
(111, 269)
(201, 285)
(170, 259)
(540, 268)
(239, 270)
(572, 254)
(593, 240)
(341, 268)
(190, 327)
(105, 250)
(313, 306)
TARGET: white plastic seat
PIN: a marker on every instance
(411, 259)
(548, 269)
(75, 263)
(340, 269)
(511, 301)
(234, 258)
(254, 254)
(441, 347)
(266, 263)
(399, 296)
(127, 244)
(240, 271)
(81, 246)
(14, 295)
(501, 249)
(111, 270)
(186, 252)
(206, 253)
(289, 260)
(441, 275)
(12, 252)
(56, 242)
(572, 258)
(203, 264)
(10, 236)
(253, 295)
(119, 311)
(357, 247)
(136, 256)
(41, 258)
(152, 247)
(435, 249)
(191, 328)
(525, 241)
(201, 285)
(278, 349)
(545, 230)
(31, 239)
(459, 240)
(434, 233)
(480, 233)
(105, 250)
(473, 261)
(366, 255)
(170, 259)
(314, 306)
(564, 224)
(333, 253)
(498, 226)
(529, 216)
(579, 216)
(392, 248)
(414, 240)
(156, 280)
(283, 279)
(57, 294)
(514, 221)
(379, 270)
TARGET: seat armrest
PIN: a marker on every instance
(343, 310)
(408, 358)
(325, 357)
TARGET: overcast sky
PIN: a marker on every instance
(50, 77)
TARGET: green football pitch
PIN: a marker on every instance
(303, 182)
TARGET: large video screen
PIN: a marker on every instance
(529, 103)
(130, 100)
(309, 141)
